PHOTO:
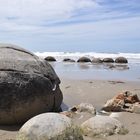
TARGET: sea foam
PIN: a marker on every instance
(132, 57)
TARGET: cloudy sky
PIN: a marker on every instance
(71, 25)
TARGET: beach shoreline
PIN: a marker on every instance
(95, 92)
(91, 71)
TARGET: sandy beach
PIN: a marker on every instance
(70, 70)
(96, 92)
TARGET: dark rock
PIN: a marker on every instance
(121, 60)
(28, 85)
(97, 60)
(84, 59)
(68, 60)
(108, 60)
(50, 58)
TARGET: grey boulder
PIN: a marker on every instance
(102, 126)
(28, 85)
(49, 126)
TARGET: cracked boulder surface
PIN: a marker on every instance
(28, 85)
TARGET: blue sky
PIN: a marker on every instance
(71, 25)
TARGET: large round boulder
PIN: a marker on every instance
(102, 126)
(50, 58)
(121, 60)
(84, 59)
(28, 85)
(49, 126)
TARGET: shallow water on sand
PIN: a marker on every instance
(126, 72)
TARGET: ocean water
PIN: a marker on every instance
(132, 57)
(121, 72)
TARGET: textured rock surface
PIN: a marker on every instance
(28, 85)
(115, 105)
(80, 113)
(86, 107)
(49, 126)
(125, 101)
(102, 126)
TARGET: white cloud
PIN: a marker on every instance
(42, 9)
(17, 15)
(68, 20)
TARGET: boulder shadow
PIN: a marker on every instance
(64, 107)
(10, 127)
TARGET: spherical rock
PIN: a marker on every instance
(28, 85)
(102, 126)
(121, 60)
(84, 59)
(108, 60)
(97, 60)
(50, 58)
(49, 126)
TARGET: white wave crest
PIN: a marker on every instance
(132, 57)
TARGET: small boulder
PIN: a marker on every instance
(84, 59)
(68, 60)
(50, 58)
(121, 60)
(49, 126)
(97, 60)
(86, 107)
(102, 126)
(108, 60)
(80, 113)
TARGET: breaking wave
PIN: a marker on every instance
(132, 57)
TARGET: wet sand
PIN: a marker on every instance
(96, 92)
